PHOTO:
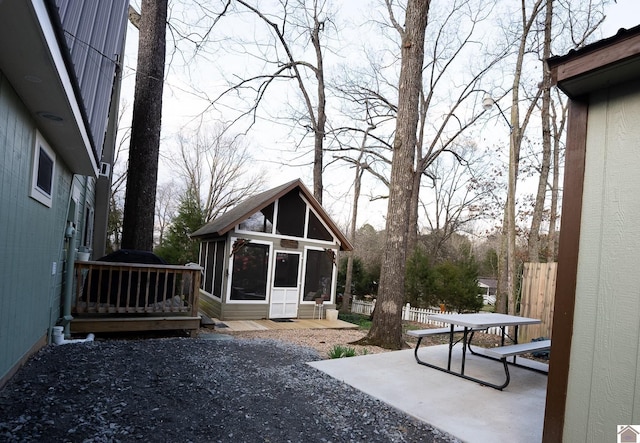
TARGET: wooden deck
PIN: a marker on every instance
(265, 325)
(114, 297)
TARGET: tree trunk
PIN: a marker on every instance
(555, 187)
(515, 141)
(386, 328)
(502, 296)
(412, 230)
(346, 297)
(538, 209)
(322, 116)
(137, 232)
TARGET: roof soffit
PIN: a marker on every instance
(34, 65)
(600, 65)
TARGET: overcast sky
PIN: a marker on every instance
(179, 109)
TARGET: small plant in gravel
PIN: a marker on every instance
(339, 351)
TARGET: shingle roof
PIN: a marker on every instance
(223, 224)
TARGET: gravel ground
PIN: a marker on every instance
(322, 340)
(193, 390)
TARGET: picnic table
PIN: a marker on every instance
(468, 324)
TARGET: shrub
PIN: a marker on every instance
(364, 321)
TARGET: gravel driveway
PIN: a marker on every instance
(193, 390)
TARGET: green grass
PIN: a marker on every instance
(410, 326)
(363, 321)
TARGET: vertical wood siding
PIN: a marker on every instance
(94, 32)
(604, 388)
(31, 236)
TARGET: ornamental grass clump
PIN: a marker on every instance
(339, 351)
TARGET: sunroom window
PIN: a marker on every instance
(261, 221)
(318, 279)
(316, 229)
(291, 215)
(212, 260)
(249, 275)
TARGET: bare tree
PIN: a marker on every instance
(559, 112)
(166, 206)
(458, 195)
(386, 329)
(138, 224)
(118, 182)
(572, 24)
(359, 170)
(457, 60)
(217, 168)
(577, 23)
(507, 272)
(294, 21)
(536, 219)
(448, 90)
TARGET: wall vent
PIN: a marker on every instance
(105, 169)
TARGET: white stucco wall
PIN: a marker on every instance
(604, 376)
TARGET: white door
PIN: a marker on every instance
(286, 285)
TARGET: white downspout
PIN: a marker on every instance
(58, 337)
(70, 235)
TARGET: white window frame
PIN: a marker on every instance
(37, 193)
(310, 210)
(334, 275)
(206, 245)
(267, 299)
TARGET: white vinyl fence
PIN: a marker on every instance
(410, 313)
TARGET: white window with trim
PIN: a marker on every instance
(250, 265)
(319, 275)
(43, 173)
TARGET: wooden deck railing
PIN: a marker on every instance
(136, 289)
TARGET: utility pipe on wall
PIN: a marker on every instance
(58, 337)
(70, 235)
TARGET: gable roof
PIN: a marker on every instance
(602, 64)
(487, 282)
(226, 222)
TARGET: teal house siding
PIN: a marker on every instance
(58, 81)
(31, 237)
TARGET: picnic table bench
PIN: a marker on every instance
(467, 324)
(502, 352)
(420, 333)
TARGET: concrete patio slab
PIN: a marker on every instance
(463, 408)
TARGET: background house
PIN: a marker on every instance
(488, 287)
(595, 364)
(59, 80)
(270, 257)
